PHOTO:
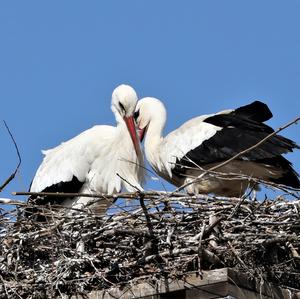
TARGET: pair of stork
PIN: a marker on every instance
(106, 159)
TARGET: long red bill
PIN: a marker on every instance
(133, 134)
(142, 134)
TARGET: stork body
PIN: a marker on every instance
(96, 160)
(208, 140)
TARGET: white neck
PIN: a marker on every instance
(118, 117)
(153, 139)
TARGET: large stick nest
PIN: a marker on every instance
(158, 235)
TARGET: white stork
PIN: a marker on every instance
(96, 160)
(208, 140)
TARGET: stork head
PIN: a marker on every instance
(124, 99)
(123, 103)
(149, 111)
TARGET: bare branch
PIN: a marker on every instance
(12, 176)
(126, 181)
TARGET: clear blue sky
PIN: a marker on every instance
(60, 61)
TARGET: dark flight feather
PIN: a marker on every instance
(241, 129)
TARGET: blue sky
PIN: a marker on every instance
(60, 61)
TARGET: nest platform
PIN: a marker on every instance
(158, 240)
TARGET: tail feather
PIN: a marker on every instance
(256, 111)
(289, 176)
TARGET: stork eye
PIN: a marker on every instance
(136, 114)
(122, 107)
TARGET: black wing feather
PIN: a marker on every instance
(241, 129)
(256, 111)
(72, 186)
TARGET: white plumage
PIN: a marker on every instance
(96, 160)
(208, 140)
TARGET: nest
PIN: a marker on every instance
(158, 235)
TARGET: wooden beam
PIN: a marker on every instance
(213, 284)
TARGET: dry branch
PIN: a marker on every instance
(12, 176)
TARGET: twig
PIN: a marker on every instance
(153, 239)
(5, 289)
(131, 185)
(210, 228)
(100, 195)
(12, 176)
(238, 258)
(200, 251)
(148, 219)
(243, 198)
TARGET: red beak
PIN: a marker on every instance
(142, 134)
(133, 134)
